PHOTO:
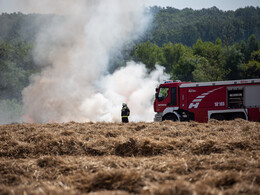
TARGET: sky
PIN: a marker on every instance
(199, 4)
(7, 5)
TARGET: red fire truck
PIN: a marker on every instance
(221, 100)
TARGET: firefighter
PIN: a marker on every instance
(125, 112)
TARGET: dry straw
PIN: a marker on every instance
(135, 158)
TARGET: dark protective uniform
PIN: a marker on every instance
(125, 112)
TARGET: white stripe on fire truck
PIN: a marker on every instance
(200, 98)
(196, 100)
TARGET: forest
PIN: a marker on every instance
(192, 45)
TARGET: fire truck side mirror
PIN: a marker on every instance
(156, 95)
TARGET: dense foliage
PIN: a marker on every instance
(16, 66)
(204, 61)
(187, 26)
(203, 45)
(192, 45)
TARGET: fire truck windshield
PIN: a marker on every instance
(163, 93)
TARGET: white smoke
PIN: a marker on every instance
(131, 84)
(75, 50)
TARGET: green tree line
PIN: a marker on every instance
(204, 61)
(16, 66)
(187, 26)
(169, 25)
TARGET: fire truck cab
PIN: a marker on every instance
(221, 100)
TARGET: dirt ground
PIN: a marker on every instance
(219, 157)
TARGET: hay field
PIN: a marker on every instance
(136, 158)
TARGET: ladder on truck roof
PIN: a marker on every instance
(217, 83)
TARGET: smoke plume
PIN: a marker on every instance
(75, 51)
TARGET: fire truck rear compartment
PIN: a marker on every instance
(243, 96)
(239, 98)
(235, 98)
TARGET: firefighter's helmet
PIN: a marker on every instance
(124, 104)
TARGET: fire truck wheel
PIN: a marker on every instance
(238, 115)
(170, 117)
(218, 117)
